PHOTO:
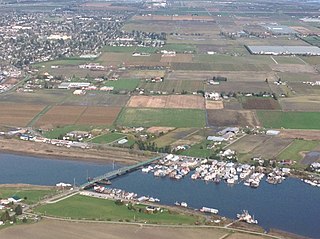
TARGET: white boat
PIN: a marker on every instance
(246, 217)
(210, 210)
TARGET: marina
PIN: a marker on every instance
(289, 206)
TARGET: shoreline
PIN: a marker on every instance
(103, 156)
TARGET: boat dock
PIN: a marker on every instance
(118, 172)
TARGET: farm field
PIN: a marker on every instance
(217, 66)
(171, 101)
(97, 99)
(240, 118)
(83, 207)
(248, 143)
(79, 115)
(98, 115)
(260, 103)
(214, 105)
(52, 229)
(43, 97)
(14, 114)
(301, 103)
(173, 136)
(289, 120)
(242, 76)
(296, 149)
(141, 74)
(61, 115)
(179, 118)
(173, 86)
(300, 134)
(239, 86)
(124, 84)
(270, 148)
(287, 60)
(304, 90)
(113, 59)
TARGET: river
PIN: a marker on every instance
(291, 206)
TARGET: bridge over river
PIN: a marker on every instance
(118, 172)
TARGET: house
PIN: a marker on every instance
(107, 88)
(15, 199)
(122, 141)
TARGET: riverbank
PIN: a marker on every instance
(103, 155)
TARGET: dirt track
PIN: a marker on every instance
(50, 229)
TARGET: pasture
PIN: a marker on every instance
(147, 117)
(289, 120)
(296, 150)
(170, 101)
(124, 84)
(173, 136)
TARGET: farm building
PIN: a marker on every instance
(284, 50)
(233, 130)
(69, 85)
(272, 132)
(216, 138)
(79, 92)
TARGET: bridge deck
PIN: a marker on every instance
(119, 172)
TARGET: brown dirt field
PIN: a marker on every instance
(51, 229)
(99, 115)
(170, 101)
(177, 58)
(271, 147)
(301, 134)
(61, 115)
(293, 68)
(242, 76)
(260, 104)
(157, 130)
(301, 103)
(18, 114)
(214, 105)
(173, 18)
(240, 118)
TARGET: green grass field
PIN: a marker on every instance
(107, 138)
(82, 207)
(289, 120)
(124, 84)
(179, 118)
(295, 148)
(32, 195)
(179, 48)
(198, 150)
